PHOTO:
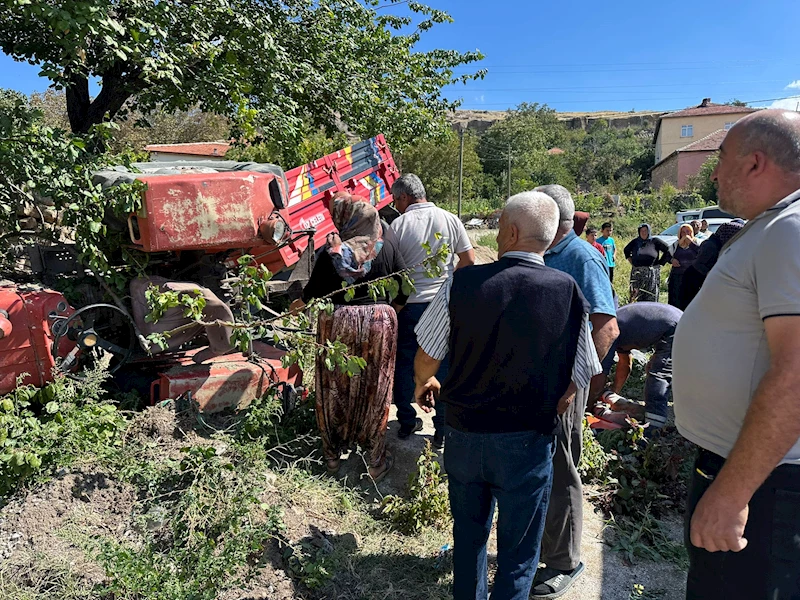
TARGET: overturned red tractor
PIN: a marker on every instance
(196, 219)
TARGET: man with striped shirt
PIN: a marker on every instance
(516, 334)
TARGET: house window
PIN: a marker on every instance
(687, 130)
(729, 125)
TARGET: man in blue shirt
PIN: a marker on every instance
(609, 247)
(561, 543)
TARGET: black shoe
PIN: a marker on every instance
(404, 433)
(552, 583)
(438, 440)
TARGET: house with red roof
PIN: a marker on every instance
(685, 162)
(684, 139)
(193, 151)
(681, 128)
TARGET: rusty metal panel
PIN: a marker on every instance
(27, 348)
(202, 210)
(229, 381)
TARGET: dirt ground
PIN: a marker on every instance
(607, 576)
(41, 534)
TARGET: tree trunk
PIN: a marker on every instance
(84, 112)
(78, 103)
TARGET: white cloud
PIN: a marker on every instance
(795, 85)
(787, 103)
(479, 98)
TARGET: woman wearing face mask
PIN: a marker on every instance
(355, 410)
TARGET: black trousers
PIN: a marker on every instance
(769, 567)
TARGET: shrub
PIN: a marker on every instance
(427, 503)
(41, 429)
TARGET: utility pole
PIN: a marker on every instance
(460, 170)
(509, 171)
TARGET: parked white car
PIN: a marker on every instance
(707, 213)
(670, 235)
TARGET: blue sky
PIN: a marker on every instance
(585, 55)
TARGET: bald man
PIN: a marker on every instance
(736, 382)
(517, 336)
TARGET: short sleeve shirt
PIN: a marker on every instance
(577, 258)
(418, 225)
(609, 246)
(641, 326)
(720, 352)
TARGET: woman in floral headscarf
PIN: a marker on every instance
(355, 410)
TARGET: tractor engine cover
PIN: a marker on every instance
(195, 211)
(27, 337)
(228, 381)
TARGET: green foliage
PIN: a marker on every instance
(638, 592)
(427, 502)
(267, 66)
(702, 184)
(645, 537)
(528, 132)
(41, 429)
(204, 522)
(594, 459)
(436, 162)
(37, 161)
(302, 147)
(489, 241)
(611, 158)
(639, 480)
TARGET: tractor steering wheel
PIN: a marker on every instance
(90, 329)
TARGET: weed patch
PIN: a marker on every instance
(427, 503)
(638, 482)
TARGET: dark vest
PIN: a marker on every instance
(513, 339)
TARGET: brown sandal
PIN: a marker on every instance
(388, 463)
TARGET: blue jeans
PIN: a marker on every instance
(658, 383)
(407, 347)
(515, 471)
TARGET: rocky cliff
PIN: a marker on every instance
(480, 120)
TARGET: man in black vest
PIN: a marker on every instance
(517, 337)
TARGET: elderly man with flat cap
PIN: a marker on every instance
(736, 386)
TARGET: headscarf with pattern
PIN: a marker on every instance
(360, 236)
(727, 230)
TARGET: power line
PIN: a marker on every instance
(616, 87)
(572, 72)
(630, 64)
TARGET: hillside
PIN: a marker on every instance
(481, 120)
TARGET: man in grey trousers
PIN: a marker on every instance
(561, 543)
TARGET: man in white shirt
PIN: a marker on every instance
(419, 223)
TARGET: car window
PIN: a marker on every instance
(713, 227)
(715, 213)
(673, 230)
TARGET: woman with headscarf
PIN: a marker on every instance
(684, 253)
(695, 275)
(647, 255)
(355, 410)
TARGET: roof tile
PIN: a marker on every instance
(710, 109)
(711, 142)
